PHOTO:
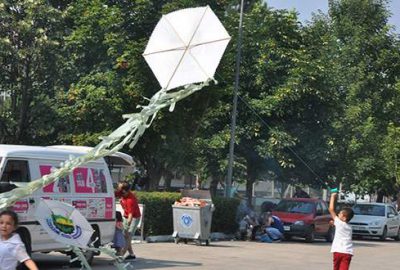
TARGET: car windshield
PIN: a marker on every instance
(295, 207)
(369, 210)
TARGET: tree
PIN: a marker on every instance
(30, 39)
(368, 58)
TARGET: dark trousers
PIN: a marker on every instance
(341, 261)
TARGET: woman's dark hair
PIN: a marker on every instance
(125, 186)
(12, 214)
(118, 216)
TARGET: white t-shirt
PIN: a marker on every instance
(342, 242)
(12, 251)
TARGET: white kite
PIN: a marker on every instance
(186, 47)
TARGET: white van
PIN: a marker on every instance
(89, 188)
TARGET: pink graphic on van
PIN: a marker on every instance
(109, 207)
(44, 170)
(20, 207)
(62, 185)
(83, 181)
(79, 204)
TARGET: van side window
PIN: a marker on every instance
(16, 171)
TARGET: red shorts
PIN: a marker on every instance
(341, 261)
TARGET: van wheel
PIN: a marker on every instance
(310, 236)
(26, 239)
(89, 254)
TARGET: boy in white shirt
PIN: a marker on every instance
(342, 246)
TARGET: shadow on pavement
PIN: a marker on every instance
(60, 261)
(143, 263)
(217, 244)
(364, 244)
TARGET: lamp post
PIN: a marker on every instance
(228, 184)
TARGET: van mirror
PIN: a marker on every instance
(390, 215)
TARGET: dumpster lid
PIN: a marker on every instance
(196, 194)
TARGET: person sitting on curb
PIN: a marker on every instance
(273, 227)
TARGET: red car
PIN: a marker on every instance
(303, 217)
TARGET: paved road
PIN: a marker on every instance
(235, 255)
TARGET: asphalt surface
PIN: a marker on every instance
(235, 255)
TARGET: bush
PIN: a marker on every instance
(224, 217)
(158, 213)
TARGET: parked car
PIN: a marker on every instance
(304, 217)
(376, 219)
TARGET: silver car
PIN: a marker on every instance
(376, 219)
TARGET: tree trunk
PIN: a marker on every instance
(168, 176)
(24, 105)
(251, 178)
(214, 185)
(154, 174)
(380, 195)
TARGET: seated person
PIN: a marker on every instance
(273, 227)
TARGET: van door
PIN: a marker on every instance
(93, 196)
(59, 190)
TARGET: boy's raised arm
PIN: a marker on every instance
(332, 204)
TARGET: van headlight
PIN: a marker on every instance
(299, 223)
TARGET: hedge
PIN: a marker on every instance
(158, 213)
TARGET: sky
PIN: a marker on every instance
(306, 7)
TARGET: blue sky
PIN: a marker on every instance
(306, 7)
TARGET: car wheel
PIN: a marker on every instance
(397, 237)
(310, 236)
(288, 237)
(330, 235)
(384, 234)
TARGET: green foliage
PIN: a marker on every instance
(224, 216)
(158, 212)
(30, 39)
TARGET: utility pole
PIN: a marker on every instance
(228, 184)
